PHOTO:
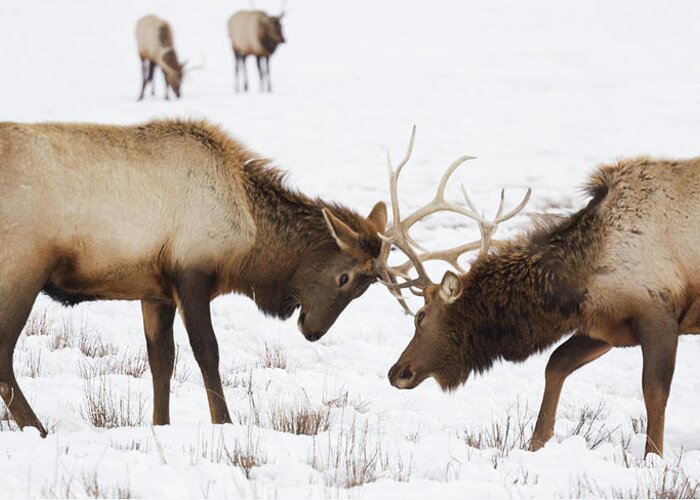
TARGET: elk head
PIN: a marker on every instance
(173, 71)
(271, 30)
(440, 347)
(330, 277)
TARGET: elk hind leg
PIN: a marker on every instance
(158, 320)
(576, 352)
(16, 301)
(658, 336)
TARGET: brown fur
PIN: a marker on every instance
(156, 48)
(623, 271)
(172, 213)
(255, 33)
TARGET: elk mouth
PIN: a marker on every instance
(311, 336)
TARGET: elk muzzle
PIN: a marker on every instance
(311, 334)
(402, 376)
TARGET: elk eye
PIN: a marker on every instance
(419, 317)
(344, 278)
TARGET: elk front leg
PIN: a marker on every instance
(158, 320)
(261, 72)
(16, 301)
(267, 74)
(167, 87)
(194, 294)
(236, 63)
(658, 336)
(576, 352)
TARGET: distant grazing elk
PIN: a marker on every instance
(155, 42)
(172, 213)
(254, 33)
(623, 271)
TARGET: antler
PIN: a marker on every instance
(399, 236)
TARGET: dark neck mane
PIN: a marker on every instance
(289, 228)
(527, 294)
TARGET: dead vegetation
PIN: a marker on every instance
(105, 406)
(355, 457)
(666, 481)
(299, 418)
(503, 436)
(591, 425)
(126, 363)
(274, 356)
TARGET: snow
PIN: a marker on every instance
(540, 91)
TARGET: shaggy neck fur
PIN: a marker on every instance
(526, 295)
(290, 231)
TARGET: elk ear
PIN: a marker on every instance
(450, 287)
(346, 238)
(378, 216)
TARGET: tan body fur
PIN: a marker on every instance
(172, 213)
(623, 271)
(154, 38)
(254, 33)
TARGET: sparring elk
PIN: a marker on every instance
(154, 38)
(172, 213)
(254, 33)
(623, 271)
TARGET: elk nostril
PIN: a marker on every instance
(313, 337)
(406, 374)
(302, 317)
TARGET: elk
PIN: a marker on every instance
(172, 213)
(254, 33)
(155, 43)
(623, 271)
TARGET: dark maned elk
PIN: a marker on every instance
(254, 33)
(155, 42)
(171, 213)
(623, 271)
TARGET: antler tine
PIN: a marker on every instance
(397, 278)
(488, 228)
(518, 208)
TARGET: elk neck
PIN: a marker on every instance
(527, 294)
(290, 230)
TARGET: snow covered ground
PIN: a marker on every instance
(540, 91)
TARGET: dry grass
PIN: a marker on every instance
(92, 347)
(343, 400)
(31, 363)
(274, 356)
(132, 364)
(6, 422)
(503, 436)
(103, 406)
(300, 419)
(38, 325)
(95, 489)
(246, 454)
(354, 457)
(669, 481)
(62, 336)
(590, 424)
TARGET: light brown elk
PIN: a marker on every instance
(171, 213)
(155, 43)
(254, 33)
(623, 271)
